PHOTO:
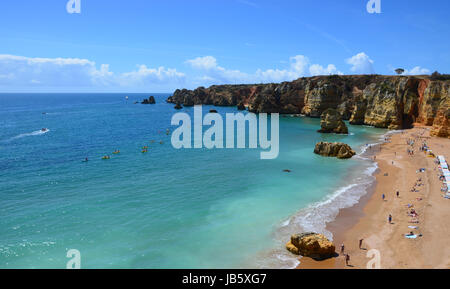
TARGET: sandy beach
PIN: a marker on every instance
(418, 191)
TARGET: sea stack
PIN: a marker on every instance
(339, 150)
(178, 106)
(312, 245)
(150, 100)
(331, 122)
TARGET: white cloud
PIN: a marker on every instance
(47, 71)
(361, 64)
(299, 66)
(417, 71)
(317, 69)
(71, 74)
(20, 72)
(150, 75)
(206, 62)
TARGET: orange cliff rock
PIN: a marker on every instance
(393, 102)
(435, 109)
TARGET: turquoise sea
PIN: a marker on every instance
(167, 208)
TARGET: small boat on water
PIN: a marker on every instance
(116, 152)
(44, 130)
(106, 158)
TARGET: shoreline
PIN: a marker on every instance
(368, 218)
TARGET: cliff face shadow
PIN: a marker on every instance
(408, 120)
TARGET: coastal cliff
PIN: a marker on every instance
(393, 102)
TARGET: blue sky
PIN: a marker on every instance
(158, 46)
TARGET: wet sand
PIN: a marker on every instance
(368, 220)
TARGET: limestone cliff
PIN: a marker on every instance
(435, 108)
(392, 102)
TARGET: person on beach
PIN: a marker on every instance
(390, 219)
(360, 243)
(398, 194)
(342, 249)
(347, 259)
(383, 196)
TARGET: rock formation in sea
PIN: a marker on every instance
(337, 149)
(241, 106)
(178, 106)
(394, 102)
(331, 122)
(150, 100)
(311, 245)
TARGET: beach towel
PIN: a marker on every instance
(411, 236)
(413, 227)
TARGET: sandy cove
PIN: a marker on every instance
(368, 219)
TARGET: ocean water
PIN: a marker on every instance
(167, 208)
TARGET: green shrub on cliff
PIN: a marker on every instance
(437, 76)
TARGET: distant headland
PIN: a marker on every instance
(394, 102)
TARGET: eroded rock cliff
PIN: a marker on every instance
(393, 102)
(331, 122)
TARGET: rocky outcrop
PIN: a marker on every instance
(331, 122)
(393, 102)
(441, 125)
(150, 100)
(311, 245)
(241, 106)
(435, 108)
(178, 106)
(389, 102)
(337, 149)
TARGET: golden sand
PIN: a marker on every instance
(368, 220)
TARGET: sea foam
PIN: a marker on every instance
(315, 217)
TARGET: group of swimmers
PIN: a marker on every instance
(144, 149)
